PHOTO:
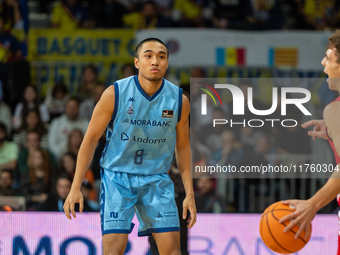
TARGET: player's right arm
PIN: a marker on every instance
(306, 209)
(100, 119)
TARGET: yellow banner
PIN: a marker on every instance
(105, 45)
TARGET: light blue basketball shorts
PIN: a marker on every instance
(152, 197)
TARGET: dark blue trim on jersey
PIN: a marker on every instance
(102, 198)
(115, 110)
(119, 231)
(149, 231)
(143, 92)
(180, 97)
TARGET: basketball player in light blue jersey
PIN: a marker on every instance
(146, 118)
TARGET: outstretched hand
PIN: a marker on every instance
(303, 216)
(319, 129)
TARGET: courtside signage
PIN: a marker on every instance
(22, 233)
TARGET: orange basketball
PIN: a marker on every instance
(272, 231)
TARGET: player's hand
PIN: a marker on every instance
(318, 131)
(304, 214)
(189, 204)
(75, 196)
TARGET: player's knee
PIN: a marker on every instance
(176, 252)
(113, 252)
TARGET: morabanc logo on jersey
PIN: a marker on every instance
(131, 99)
(152, 123)
(167, 113)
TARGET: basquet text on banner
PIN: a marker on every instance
(107, 46)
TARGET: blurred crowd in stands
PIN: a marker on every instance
(40, 137)
(40, 141)
(141, 14)
(224, 14)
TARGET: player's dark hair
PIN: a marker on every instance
(334, 42)
(151, 39)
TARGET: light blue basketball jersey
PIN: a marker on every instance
(141, 136)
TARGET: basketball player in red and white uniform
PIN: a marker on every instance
(328, 128)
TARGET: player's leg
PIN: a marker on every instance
(157, 212)
(114, 244)
(168, 243)
(117, 208)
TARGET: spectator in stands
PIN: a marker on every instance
(30, 101)
(10, 47)
(87, 106)
(68, 165)
(89, 82)
(10, 9)
(114, 12)
(63, 125)
(56, 99)
(70, 15)
(37, 182)
(95, 164)
(206, 199)
(33, 142)
(147, 18)
(268, 14)
(6, 183)
(297, 134)
(8, 150)
(31, 121)
(75, 139)
(5, 115)
(246, 136)
(187, 13)
(128, 70)
(227, 154)
(55, 200)
(233, 15)
(86, 190)
(211, 136)
(321, 14)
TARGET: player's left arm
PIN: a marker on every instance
(306, 209)
(183, 157)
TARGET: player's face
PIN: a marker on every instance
(152, 61)
(332, 68)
